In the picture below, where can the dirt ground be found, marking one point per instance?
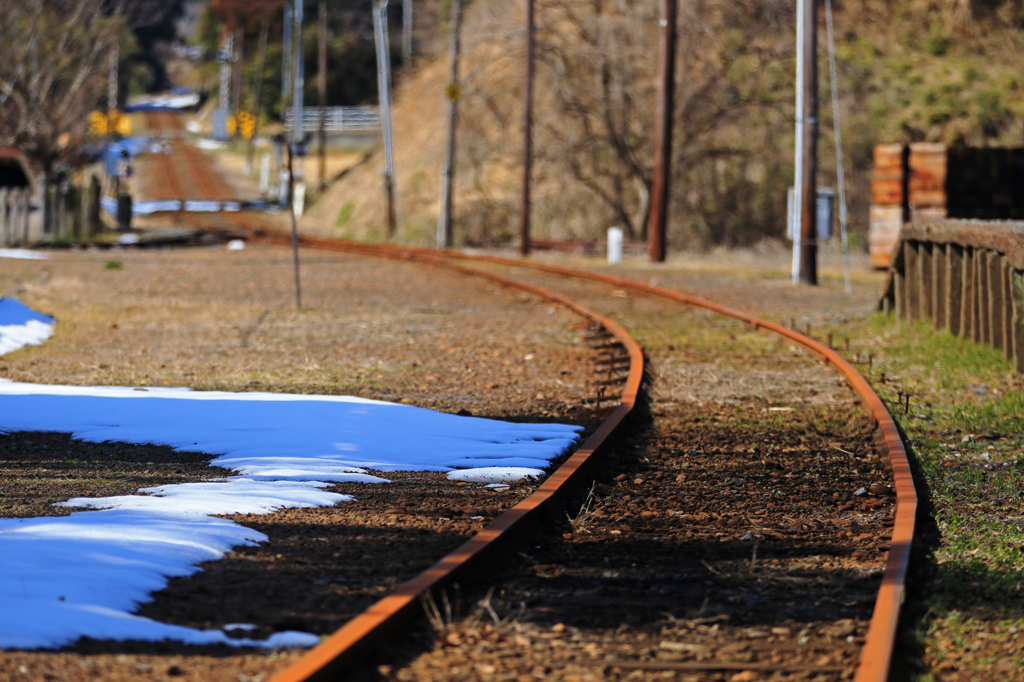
(750, 417)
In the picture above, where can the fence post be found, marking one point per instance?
(5, 235)
(899, 284)
(93, 221)
(939, 285)
(1017, 285)
(911, 254)
(1006, 310)
(954, 287)
(980, 294)
(995, 299)
(924, 273)
(24, 208)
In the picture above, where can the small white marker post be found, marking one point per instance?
(265, 175)
(614, 245)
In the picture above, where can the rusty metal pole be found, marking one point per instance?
(380, 31)
(809, 131)
(661, 181)
(444, 221)
(321, 82)
(524, 212)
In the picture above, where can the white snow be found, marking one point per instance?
(21, 326)
(84, 574)
(494, 474)
(24, 254)
(61, 578)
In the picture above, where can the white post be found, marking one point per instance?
(264, 175)
(614, 245)
(798, 174)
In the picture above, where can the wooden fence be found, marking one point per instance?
(59, 211)
(964, 276)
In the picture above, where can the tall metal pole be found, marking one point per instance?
(838, 135)
(321, 81)
(524, 211)
(298, 80)
(286, 56)
(224, 94)
(407, 30)
(295, 230)
(444, 219)
(112, 79)
(661, 181)
(808, 191)
(380, 33)
(236, 70)
(257, 95)
(798, 152)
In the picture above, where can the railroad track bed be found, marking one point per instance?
(725, 540)
(755, 447)
(739, 535)
(213, 319)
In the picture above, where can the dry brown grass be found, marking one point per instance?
(213, 319)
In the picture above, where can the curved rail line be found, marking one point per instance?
(370, 628)
(876, 654)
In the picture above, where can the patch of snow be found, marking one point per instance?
(65, 577)
(24, 254)
(227, 496)
(494, 475)
(21, 326)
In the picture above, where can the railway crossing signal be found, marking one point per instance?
(246, 124)
(109, 123)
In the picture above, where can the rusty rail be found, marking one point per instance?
(966, 277)
(876, 655)
(360, 635)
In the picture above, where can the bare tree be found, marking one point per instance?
(53, 55)
(595, 114)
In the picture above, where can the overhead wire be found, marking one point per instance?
(839, 146)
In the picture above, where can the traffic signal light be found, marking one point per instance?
(246, 124)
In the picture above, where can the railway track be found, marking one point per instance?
(697, 644)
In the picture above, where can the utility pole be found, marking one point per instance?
(808, 114)
(236, 71)
(380, 34)
(224, 93)
(298, 77)
(407, 31)
(257, 96)
(321, 82)
(298, 129)
(286, 56)
(524, 211)
(295, 231)
(444, 219)
(662, 178)
(112, 79)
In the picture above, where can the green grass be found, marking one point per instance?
(965, 431)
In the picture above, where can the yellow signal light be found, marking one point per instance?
(98, 123)
(246, 124)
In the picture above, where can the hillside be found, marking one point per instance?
(908, 71)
